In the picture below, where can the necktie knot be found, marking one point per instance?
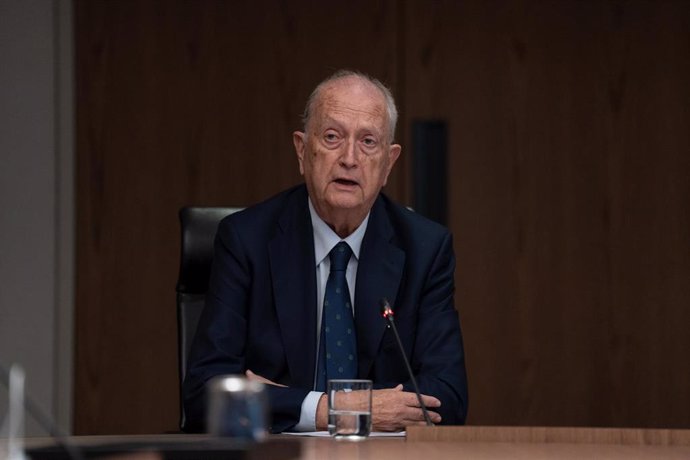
(340, 256)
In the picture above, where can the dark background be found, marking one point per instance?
(568, 184)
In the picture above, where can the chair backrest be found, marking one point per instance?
(198, 226)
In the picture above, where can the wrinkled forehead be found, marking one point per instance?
(352, 99)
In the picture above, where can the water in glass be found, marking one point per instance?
(349, 424)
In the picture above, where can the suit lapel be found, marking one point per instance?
(291, 255)
(379, 273)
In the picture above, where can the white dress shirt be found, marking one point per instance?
(325, 239)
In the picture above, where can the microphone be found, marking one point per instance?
(387, 313)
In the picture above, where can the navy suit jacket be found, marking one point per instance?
(260, 310)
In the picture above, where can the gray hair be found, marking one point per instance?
(341, 74)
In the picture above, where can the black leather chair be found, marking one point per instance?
(198, 230)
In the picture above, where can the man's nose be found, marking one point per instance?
(348, 156)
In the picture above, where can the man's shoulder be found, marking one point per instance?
(263, 217)
(409, 224)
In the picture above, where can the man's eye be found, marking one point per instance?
(369, 141)
(330, 137)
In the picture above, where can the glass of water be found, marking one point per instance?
(237, 408)
(349, 409)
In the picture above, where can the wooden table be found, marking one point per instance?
(461, 443)
(391, 449)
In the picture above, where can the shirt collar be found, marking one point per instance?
(325, 238)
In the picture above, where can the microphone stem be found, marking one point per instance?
(391, 321)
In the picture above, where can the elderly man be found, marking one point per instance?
(296, 281)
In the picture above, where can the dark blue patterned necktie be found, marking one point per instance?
(339, 345)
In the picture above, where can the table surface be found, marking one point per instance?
(402, 449)
(392, 449)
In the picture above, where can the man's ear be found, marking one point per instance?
(393, 154)
(298, 139)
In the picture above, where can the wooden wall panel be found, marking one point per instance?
(178, 103)
(570, 197)
(569, 184)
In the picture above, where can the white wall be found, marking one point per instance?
(36, 200)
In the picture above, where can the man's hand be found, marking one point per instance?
(392, 410)
(257, 378)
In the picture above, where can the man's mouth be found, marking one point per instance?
(347, 182)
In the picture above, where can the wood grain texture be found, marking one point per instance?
(394, 449)
(569, 202)
(282, 446)
(549, 435)
(181, 103)
(569, 184)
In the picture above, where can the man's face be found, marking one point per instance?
(345, 156)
